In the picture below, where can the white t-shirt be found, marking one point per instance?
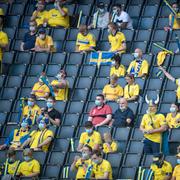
(123, 17)
(102, 20)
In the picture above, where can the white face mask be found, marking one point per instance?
(32, 28)
(115, 11)
(136, 55)
(41, 36)
(113, 63)
(172, 109)
(101, 10)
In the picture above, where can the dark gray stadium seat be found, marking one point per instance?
(115, 159)
(169, 97)
(159, 35)
(139, 44)
(70, 46)
(5, 105)
(121, 133)
(60, 106)
(23, 58)
(71, 119)
(134, 11)
(10, 32)
(84, 82)
(127, 173)
(14, 81)
(9, 93)
(146, 23)
(104, 46)
(61, 145)
(59, 34)
(66, 132)
(143, 35)
(12, 21)
(100, 82)
(8, 57)
(80, 94)
(40, 58)
(53, 70)
(174, 136)
(71, 70)
(86, 9)
(104, 71)
(52, 171)
(58, 58)
(94, 93)
(35, 70)
(17, 9)
(135, 147)
(75, 107)
(56, 157)
(131, 160)
(75, 58)
(88, 70)
(150, 11)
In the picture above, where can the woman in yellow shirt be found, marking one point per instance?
(109, 145)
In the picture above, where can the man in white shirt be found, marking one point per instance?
(121, 18)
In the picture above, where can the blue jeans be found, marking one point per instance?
(151, 147)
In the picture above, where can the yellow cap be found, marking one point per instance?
(1, 12)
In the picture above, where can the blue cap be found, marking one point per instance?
(42, 30)
(42, 119)
(27, 120)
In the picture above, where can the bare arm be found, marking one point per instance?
(159, 130)
(55, 122)
(173, 178)
(26, 143)
(47, 141)
(77, 48)
(133, 98)
(90, 118)
(106, 121)
(32, 175)
(124, 25)
(63, 13)
(79, 148)
(123, 48)
(169, 76)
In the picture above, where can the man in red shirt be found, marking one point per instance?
(101, 114)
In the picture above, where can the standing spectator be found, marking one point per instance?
(176, 172)
(85, 41)
(116, 39)
(58, 16)
(113, 91)
(131, 90)
(30, 167)
(121, 18)
(61, 86)
(138, 67)
(101, 114)
(173, 118)
(161, 168)
(89, 137)
(100, 17)
(152, 126)
(102, 168)
(29, 40)
(117, 68)
(44, 42)
(123, 116)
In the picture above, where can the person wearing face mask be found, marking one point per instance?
(162, 169)
(100, 17)
(31, 110)
(176, 172)
(40, 90)
(101, 114)
(153, 124)
(120, 17)
(113, 91)
(30, 167)
(18, 136)
(123, 116)
(44, 42)
(101, 168)
(85, 41)
(139, 67)
(173, 118)
(58, 16)
(131, 90)
(174, 80)
(116, 39)
(117, 68)
(89, 137)
(82, 163)
(61, 86)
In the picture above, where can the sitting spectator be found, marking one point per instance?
(138, 67)
(117, 68)
(113, 91)
(101, 114)
(116, 39)
(40, 14)
(61, 86)
(30, 167)
(29, 38)
(100, 17)
(123, 116)
(31, 110)
(161, 168)
(131, 90)
(44, 42)
(85, 40)
(90, 137)
(82, 163)
(152, 126)
(18, 136)
(176, 172)
(121, 18)
(177, 81)
(102, 168)
(173, 118)
(58, 16)
(10, 166)
(40, 90)
(40, 139)
(109, 145)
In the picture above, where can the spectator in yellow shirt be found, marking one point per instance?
(162, 169)
(131, 90)
(173, 118)
(89, 137)
(117, 68)
(44, 42)
(109, 146)
(85, 40)
(61, 86)
(102, 168)
(40, 14)
(31, 110)
(113, 91)
(40, 90)
(176, 172)
(139, 67)
(30, 167)
(58, 16)
(82, 163)
(116, 39)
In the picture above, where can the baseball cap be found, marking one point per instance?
(42, 31)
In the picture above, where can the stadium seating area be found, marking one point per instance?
(22, 69)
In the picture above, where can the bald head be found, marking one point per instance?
(123, 103)
(139, 51)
